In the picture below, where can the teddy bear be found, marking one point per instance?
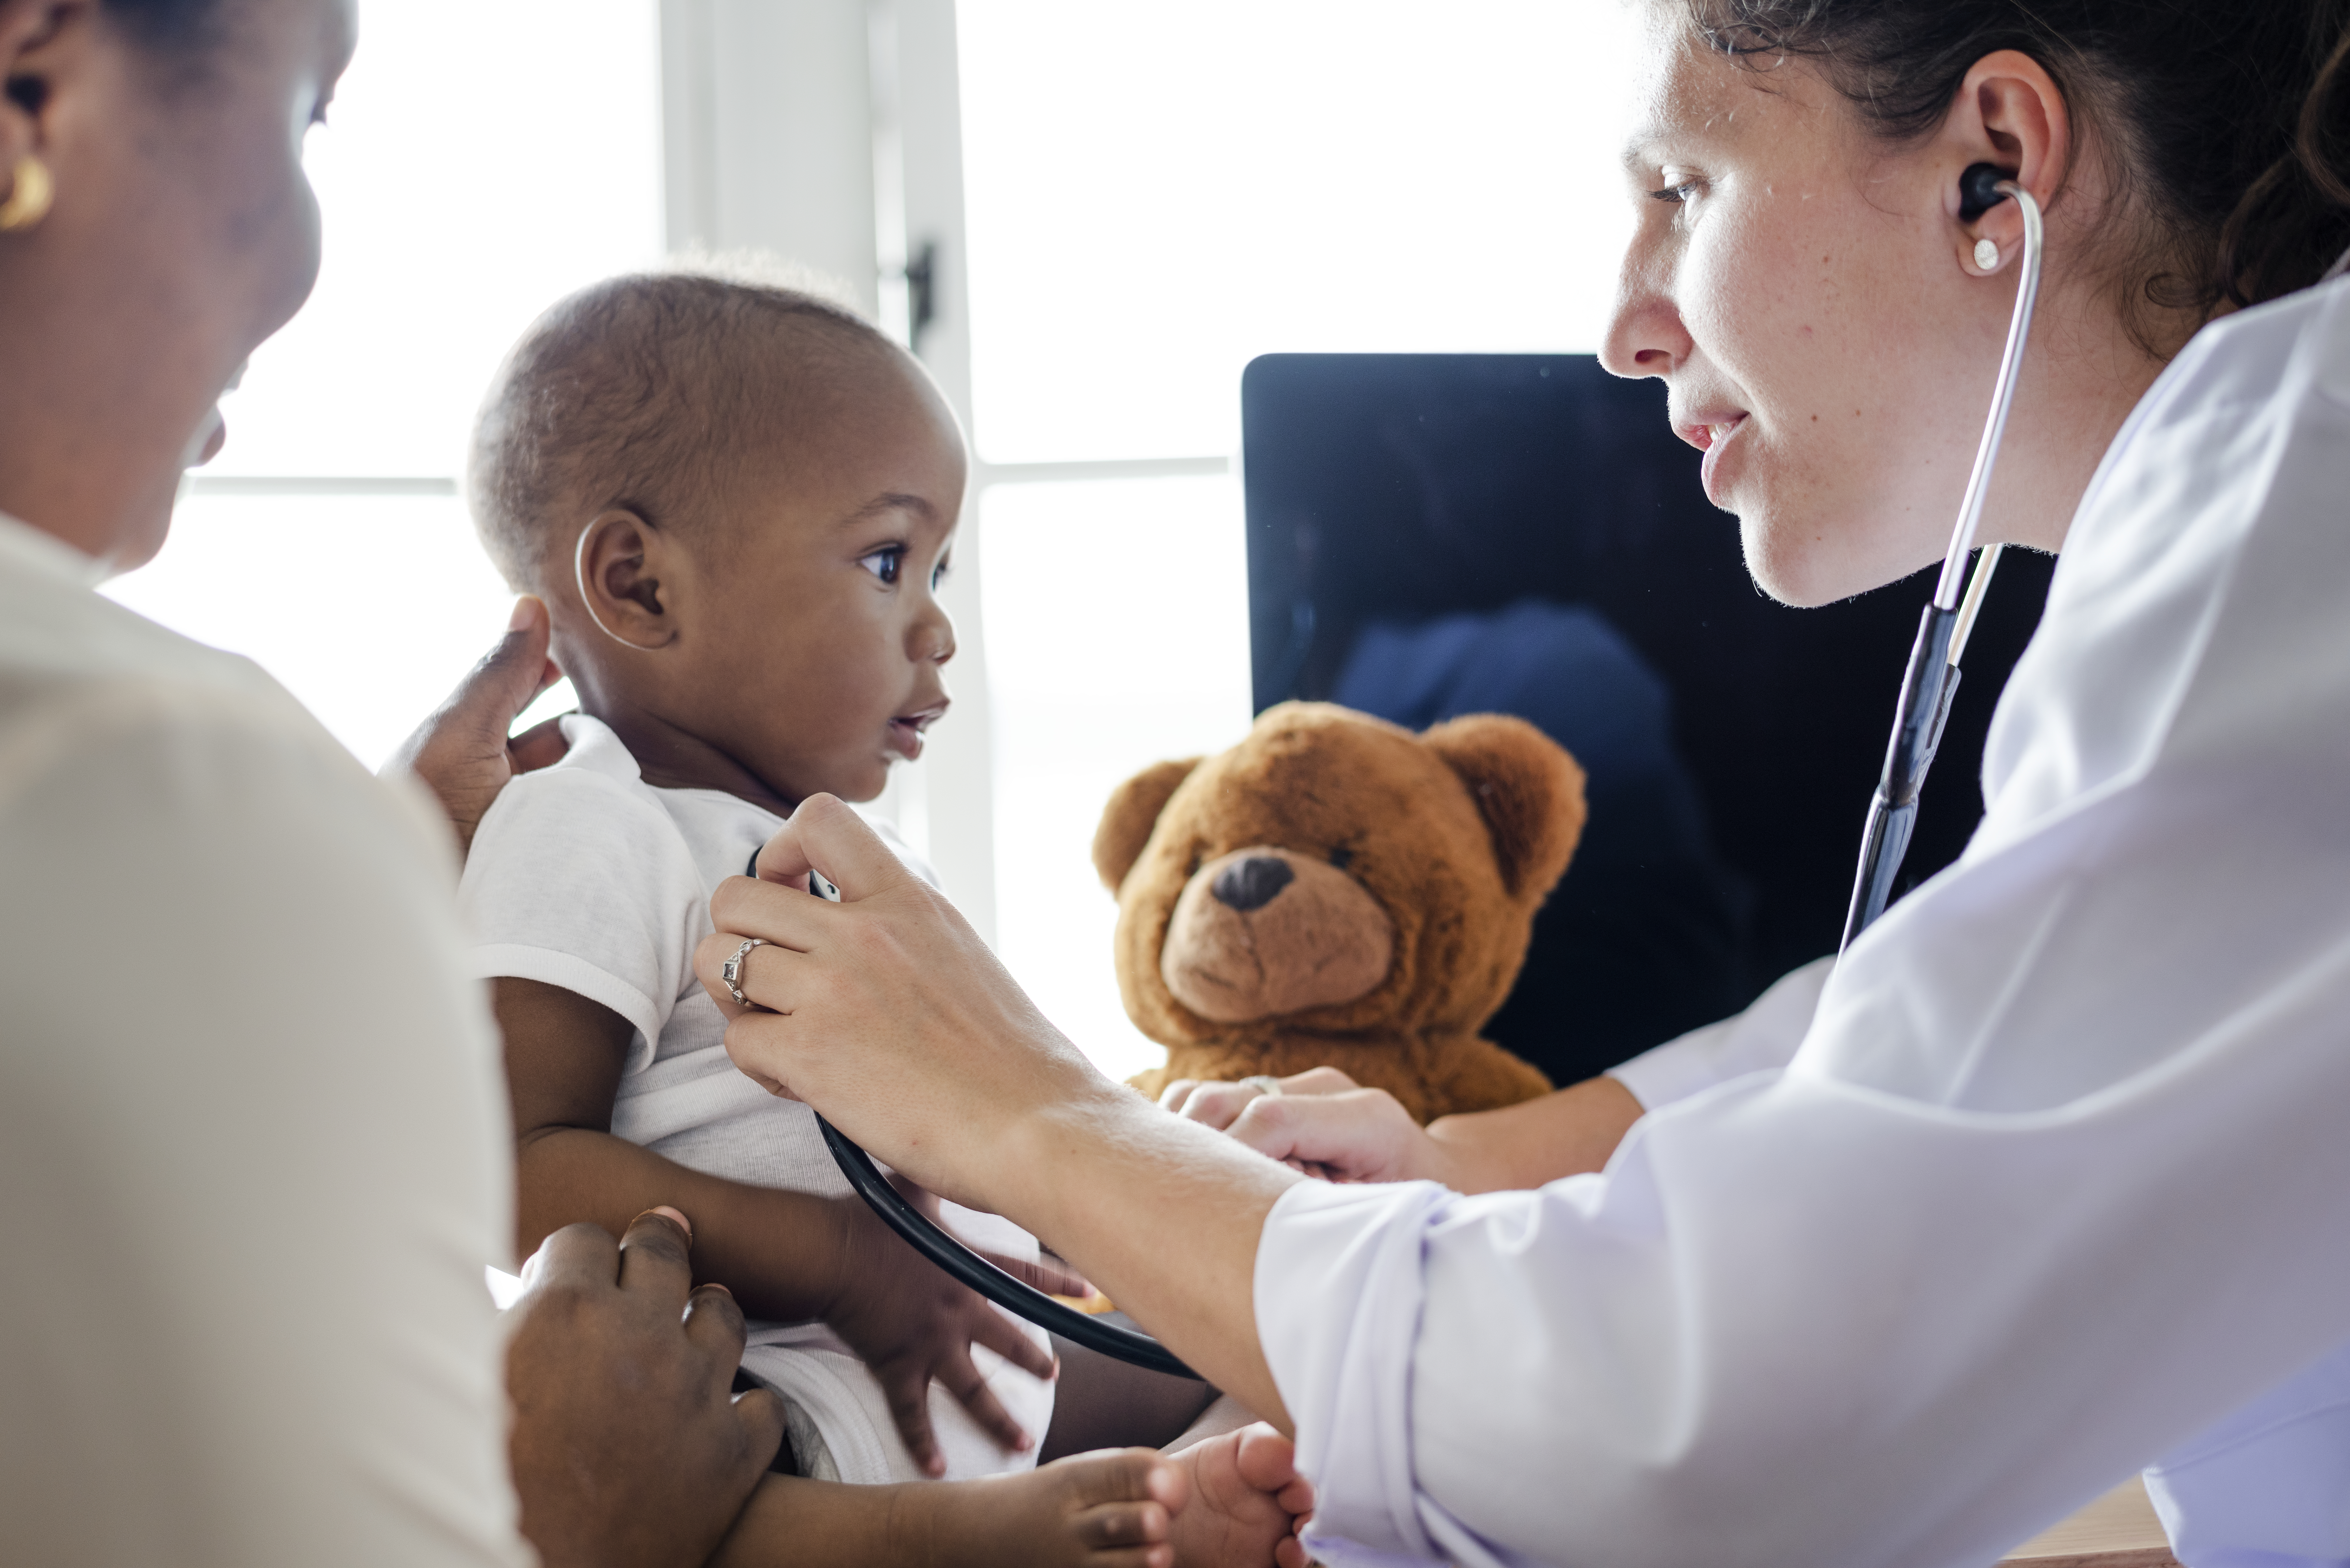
(1336, 889)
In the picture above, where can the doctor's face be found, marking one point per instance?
(1791, 278)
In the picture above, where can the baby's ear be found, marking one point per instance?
(1133, 811)
(1529, 791)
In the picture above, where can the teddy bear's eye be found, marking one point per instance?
(1342, 858)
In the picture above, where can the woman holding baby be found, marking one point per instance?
(2040, 1185)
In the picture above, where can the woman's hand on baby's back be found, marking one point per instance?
(911, 1324)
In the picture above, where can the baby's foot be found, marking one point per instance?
(1246, 1502)
(1113, 1509)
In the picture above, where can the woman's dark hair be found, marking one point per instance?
(2229, 121)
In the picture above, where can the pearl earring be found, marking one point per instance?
(1986, 255)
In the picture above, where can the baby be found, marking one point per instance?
(738, 502)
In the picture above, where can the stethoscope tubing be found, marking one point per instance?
(1930, 681)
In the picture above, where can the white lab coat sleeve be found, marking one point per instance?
(252, 1138)
(2054, 1182)
(1760, 1039)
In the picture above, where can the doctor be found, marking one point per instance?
(2049, 1180)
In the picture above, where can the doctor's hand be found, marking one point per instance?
(462, 751)
(1320, 1122)
(629, 1449)
(886, 1011)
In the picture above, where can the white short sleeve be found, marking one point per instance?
(579, 880)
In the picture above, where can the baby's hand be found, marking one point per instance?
(912, 1322)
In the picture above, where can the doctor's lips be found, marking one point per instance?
(906, 728)
(1709, 432)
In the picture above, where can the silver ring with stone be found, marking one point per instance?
(730, 974)
(1262, 1083)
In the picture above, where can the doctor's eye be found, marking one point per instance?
(1676, 195)
(885, 562)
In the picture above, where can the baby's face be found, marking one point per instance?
(815, 655)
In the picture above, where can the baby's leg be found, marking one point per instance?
(1102, 1403)
(1110, 1510)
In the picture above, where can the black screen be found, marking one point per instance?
(1437, 533)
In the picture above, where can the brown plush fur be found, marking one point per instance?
(1406, 873)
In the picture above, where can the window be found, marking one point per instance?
(1154, 195)
(478, 163)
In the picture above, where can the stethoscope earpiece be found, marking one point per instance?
(1978, 190)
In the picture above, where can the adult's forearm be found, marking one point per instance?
(1539, 1141)
(1163, 1215)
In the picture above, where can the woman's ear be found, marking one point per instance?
(1526, 787)
(37, 37)
(2008, 111)
(1132, 813)
(621, 568)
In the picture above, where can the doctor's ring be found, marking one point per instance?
(730, 974)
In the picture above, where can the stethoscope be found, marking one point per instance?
(1931, 680)
(1926, 688)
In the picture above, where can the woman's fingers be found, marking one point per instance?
(1318, 1081)
(823, 834)
(713, 1321)
(655, 1255)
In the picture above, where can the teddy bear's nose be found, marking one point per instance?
(1251, 884)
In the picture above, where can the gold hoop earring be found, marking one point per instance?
(29, 197)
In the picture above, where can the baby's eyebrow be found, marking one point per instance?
(891, 501)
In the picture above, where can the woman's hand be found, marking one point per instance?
(462, 751)
(910, 1321)
(629, 1448)
(1320, 1122)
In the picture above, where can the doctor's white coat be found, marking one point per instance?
(2049, 1180)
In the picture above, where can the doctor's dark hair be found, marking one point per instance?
(2228, 119)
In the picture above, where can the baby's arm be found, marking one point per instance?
(789, 1257)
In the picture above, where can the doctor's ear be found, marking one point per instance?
(619, 568)
(2009, 112)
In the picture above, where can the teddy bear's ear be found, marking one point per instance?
(1132, 812)
(1527, 788)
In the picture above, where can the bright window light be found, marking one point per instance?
(1157, 193)
(1117, 637)
(479, 163)
(368, 607)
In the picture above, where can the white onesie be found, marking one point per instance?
(584, 876)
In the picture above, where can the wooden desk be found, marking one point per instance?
(2117, 1531)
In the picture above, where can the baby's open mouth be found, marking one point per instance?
(906, 730)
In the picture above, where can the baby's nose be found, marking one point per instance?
(1251, 884)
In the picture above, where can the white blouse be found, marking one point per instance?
(2049, 1178)
(253, 1136)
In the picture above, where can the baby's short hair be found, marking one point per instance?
(640, 393)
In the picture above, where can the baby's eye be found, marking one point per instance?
(884, 563)
(938, 573)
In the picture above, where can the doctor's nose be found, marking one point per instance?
(1644, 336)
